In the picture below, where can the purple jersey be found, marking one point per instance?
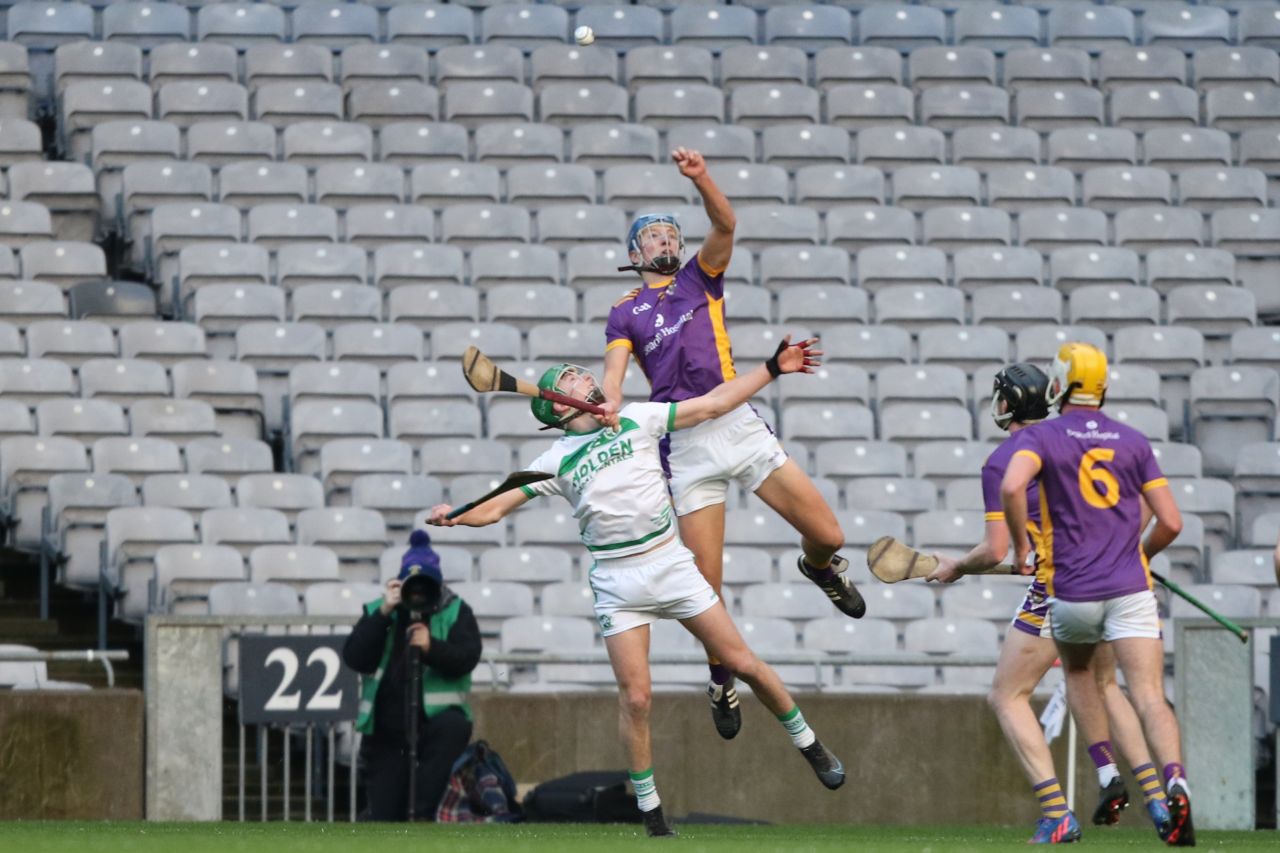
(676, 330)
(1030, 616)
(1093, 471)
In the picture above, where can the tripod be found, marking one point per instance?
(413, 660)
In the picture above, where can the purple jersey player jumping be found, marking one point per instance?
(674, 326)
(1095, 476)
(1018, 400)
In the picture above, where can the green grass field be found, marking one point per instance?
(554, 838)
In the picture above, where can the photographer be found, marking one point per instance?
(417, 619)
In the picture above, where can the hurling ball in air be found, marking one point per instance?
(584, 35)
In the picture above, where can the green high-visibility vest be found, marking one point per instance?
(438, 692)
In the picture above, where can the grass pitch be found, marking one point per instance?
(560, 838)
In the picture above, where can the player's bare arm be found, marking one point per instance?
(1168, 519)
(490, 512)
(988, 553)
(717, 249)
(1013, 497)
(790, 358)
(615, 370)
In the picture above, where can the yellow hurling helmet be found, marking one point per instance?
(1078, 375)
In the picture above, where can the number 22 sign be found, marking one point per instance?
(296, 680)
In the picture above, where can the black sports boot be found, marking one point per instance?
(1181, 832)
(655, 823)
(725, 712)
(824, 763)
(839, 589)
(1112, 800)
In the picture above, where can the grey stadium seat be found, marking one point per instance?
(1046, 67)
(792, 147)
(1080, 148)
(300, 64)
(885, 266)
(751, 64)
(432, 26)
(932, 66)
(123, 380)
(1147, 229)
(1110, 307)
(83, 420)
(1071, 268)
(1144, 108)
(834, 66)
(136, 457)
(382, 103)
(1094, 30)
(557, 63)
(244, 528)
(859, 226)
(192, 492)
(334, 25)
(997, 28)
(921, 187)
(1012, 306)
(855, 106)
(1185, 28)
(1216, 66)
(240, 24)
(663, 107)
(900, 27)
(715, 28)
(824, 187)
(229, 458)
(372, 226)
(953, 106)
(1209, 189)
(1059, 107)
(759, 105)
(472, 104)
(177, 420)
(134, 536)
(411, 143)
(366, 63)
(953, 228)
(44, 26)
(811, 27)
(1041, 343)
(869, 346)
(891, 147)
(424, 305)
(1048, 229)
(209, 62)
(253, 599)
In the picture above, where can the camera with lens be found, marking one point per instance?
(420, 596)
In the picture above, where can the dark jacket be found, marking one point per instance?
(454, 657)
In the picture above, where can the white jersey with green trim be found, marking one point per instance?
(614, 480)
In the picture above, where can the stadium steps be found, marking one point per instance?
(72, 625)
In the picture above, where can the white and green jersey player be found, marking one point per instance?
(613, 478)
(610, 470)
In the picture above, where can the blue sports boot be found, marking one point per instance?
(1061, 830)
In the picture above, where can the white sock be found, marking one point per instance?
(1178, 780)
(646, 790)
(1106, 773)
(793, 722)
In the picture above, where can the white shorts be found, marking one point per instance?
(737, 446)
(1086, 622)
(661, 584)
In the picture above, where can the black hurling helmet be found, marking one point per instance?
(1022, 387)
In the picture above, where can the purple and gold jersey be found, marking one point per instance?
(1093, 471)
(1031, 615)
(676, 331)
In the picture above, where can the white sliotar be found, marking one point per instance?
(584, 35)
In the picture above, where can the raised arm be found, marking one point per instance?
(615, 370)
(790, 358)
(1023, 468)
(490, 512)
(717, 249)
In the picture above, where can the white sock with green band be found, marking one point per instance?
(793, 722)
(646, 790)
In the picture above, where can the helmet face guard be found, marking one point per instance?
(563, 378)
(654, 236)
(1021, 388)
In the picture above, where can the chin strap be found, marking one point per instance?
(670, 268)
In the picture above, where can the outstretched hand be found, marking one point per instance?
(799, 357)
(439, 516)
(690, 162)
